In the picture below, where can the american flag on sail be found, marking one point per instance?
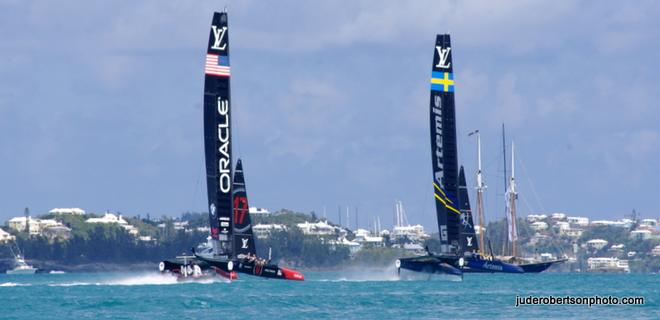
(217, 65)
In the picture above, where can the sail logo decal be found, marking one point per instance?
(224, 178)
(465, 220)
(469, 241)
(212, 209)
(245, 243)
(443, 232)
(443, 57)
(217, 65)
(442, 81)
(219, 35)
(240, 209)
(437, 112)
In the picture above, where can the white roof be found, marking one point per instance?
(67, 210)
(107, 218)
(255, 210)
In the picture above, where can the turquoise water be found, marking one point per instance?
(324, 295)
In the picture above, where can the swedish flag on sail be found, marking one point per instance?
(442, 197)
(442, 81)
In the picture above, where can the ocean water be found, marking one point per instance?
(324, 295)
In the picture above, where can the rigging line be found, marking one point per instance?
(531, 183)
(529, 208)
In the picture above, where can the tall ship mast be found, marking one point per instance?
(511, 197)
(481, 187)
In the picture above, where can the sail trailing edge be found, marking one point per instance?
(243, 237)
(444, 145)
(217, 135)
(468, 237)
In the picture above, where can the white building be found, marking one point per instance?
(57, 232)
(37, 226)
(608, 265)
(562, 225)
(571, 232)
(321, 228)
(74, 211)
(558, 216)
(5, 236)
(624, 223)
(617, 247)
(578, 221)
(117, 219)
(414, 233)
(596, 223)
(353, 246)
(258, 211)
(641, 234)
(180, 225)
(536, 217)
(364, 237)
(263, 231)
(108, 218)
(597, 244)
(539, 226)
(649, 222)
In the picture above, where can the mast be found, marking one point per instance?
(444, 153)
(506, 201)
(512, 195)
(217, 136)
(481, 187)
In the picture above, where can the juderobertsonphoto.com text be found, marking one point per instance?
(570, 300)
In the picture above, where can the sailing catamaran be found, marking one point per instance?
(231, 243)
(458, 248)
(445, 168)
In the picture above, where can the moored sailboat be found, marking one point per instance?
(529, 265)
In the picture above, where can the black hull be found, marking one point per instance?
(539, 267)
(432, 264)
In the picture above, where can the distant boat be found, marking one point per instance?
(21, 267)
(529, 265)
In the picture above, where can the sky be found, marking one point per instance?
(101, 104)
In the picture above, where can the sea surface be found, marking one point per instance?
(324, 295)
